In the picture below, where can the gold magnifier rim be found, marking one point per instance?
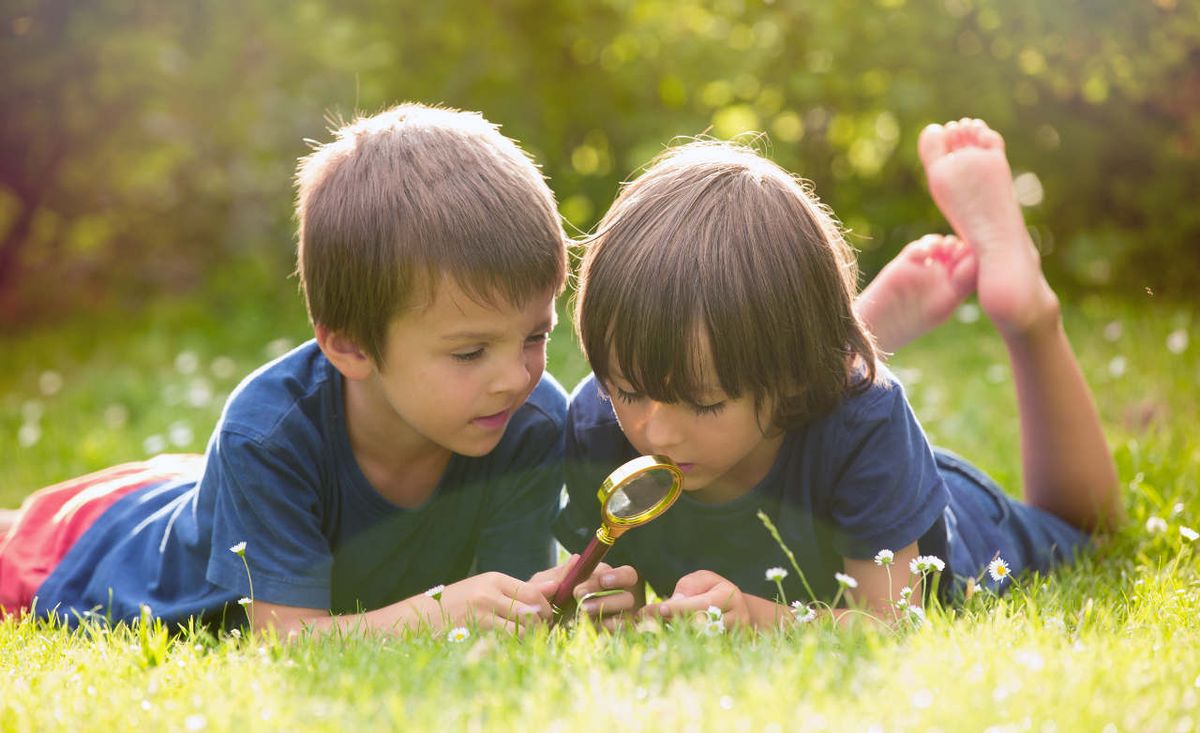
(631, 471)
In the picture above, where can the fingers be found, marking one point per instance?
(605, 577)
(483, 597)
(529, 603)
(698, 582)
(678, 606)
(554, 574)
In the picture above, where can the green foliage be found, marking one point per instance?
(144, 146)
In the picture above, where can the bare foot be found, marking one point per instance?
(971, 182)
(918, 290)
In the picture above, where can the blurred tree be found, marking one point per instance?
(143, 144)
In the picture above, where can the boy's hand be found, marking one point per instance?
(494, 601)
(616, 592)
(697, 592)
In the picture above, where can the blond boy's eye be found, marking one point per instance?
(467, 355)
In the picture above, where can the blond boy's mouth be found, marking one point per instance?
(493, 421)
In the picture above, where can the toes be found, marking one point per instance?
(931, 144)
(991, 139)
(920, 249)
(954, 136)
(970, 132)
(965, 274)
(945, 248)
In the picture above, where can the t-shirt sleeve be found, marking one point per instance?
(266, 498)
(887, 490)
(515, 538)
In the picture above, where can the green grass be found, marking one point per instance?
(1112, 643)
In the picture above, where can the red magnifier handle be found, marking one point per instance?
(564, 597)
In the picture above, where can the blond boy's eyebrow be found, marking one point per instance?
(542, 327)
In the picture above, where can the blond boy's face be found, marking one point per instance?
(455, 372)
(719, 442)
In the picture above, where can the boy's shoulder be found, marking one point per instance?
(293, 384)
(878, 402)
(590, 407)
(548, 400)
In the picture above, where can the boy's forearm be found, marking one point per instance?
(767, 614)
(411, 614)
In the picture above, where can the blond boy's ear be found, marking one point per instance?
(344, 354)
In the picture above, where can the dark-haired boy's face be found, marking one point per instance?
(718, 441)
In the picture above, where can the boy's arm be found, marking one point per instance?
(878, 588)
(264, 497)
(486, 601)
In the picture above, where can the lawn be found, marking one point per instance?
(1111, 644)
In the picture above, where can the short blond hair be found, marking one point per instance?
(716, 247)
(401, 199)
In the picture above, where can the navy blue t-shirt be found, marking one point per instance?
(280, 476)
(860, 479)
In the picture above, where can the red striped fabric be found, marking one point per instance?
(52, 519)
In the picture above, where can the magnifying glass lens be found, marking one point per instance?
(640, 494)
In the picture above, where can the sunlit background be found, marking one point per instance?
(147, 149)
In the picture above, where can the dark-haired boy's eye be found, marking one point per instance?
(538, 338)
(628, 398)
(468, 355)
(710, 409)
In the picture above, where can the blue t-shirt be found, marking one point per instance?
(280, 476)
(860, 479)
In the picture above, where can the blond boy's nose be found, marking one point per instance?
(513, 378)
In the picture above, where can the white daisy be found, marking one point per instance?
(845, 580)
(239, 549)
(922, 564)
(998, 569)
(1189, 534)
(885, 557)
(435, 592)
(1156, 525)
(458, 634)
(804, 614)
(776, 574)
(712, 613)
(243, 601)
(713, 627)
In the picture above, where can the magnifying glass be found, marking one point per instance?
(632, 495)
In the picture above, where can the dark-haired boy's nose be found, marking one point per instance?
(659, 428)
